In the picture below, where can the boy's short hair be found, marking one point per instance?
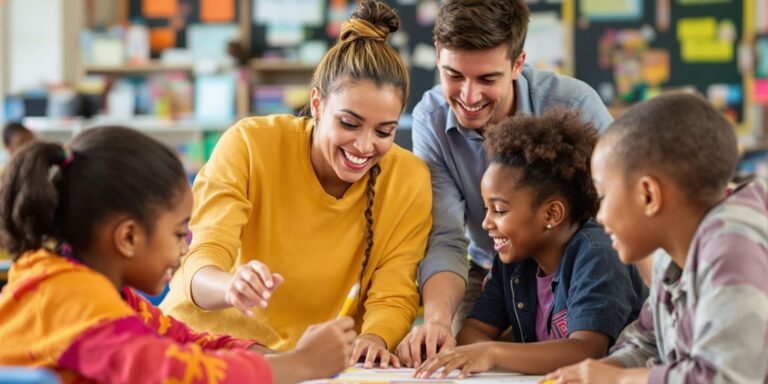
(12, 129)
(469, 25)
(681, 135)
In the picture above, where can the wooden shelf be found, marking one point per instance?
(278, 65)
(148, 124)
(755, 146)
(129, 69)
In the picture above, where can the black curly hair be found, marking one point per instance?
(552, 152)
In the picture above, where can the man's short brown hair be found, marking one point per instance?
(468, 25)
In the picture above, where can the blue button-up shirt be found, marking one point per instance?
(457, 161)
(593, 291)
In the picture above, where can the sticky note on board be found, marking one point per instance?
(159, 8)
(701, 28)
(761, 91)
(712, 51)
(212, 11)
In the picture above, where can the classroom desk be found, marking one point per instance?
(403, 376)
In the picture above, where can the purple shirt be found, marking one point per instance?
(546, 297)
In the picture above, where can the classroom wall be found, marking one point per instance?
(3, 60)
(51, 27)
(38, 24)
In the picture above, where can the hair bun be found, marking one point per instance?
(371, 20)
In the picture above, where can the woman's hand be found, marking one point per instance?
(251, 285)
(373, 348)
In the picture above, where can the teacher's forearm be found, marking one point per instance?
(442, 295)
(209, 285)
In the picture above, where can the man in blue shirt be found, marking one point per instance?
(483, 79)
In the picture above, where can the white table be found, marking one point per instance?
(404, 376)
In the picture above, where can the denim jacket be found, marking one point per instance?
(593, 291)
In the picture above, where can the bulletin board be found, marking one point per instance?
(169, 20)
(414, 42)
(629, 50)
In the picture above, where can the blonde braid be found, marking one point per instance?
(372, 175)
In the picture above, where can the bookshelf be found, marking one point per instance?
(192, 140)
(171, 132)
(280, 72)
(135, 69)
(753, 145)
(280, 65)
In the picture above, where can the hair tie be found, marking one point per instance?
(359, 28)
(68, 157)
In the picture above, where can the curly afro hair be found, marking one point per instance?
(552, 152)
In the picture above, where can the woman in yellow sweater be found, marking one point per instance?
(291, 212)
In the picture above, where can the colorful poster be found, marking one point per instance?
(611, 9)
(212, 11)
(307, 12)
(545, 46)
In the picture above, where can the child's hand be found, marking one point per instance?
(473, 358)
(594, 371)
(324, 347)
(373, 348)
(251, 285)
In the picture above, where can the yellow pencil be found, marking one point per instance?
(349, 300)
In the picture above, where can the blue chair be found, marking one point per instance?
(24, 375)
(155, 300)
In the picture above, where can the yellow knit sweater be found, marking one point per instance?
(258, 198)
